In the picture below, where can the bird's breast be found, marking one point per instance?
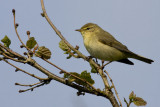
(102, 51)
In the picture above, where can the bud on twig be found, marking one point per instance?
(17, 25)
(28, 32)
(42, 14)
(13, 11)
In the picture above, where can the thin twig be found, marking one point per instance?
(114, 87)
(24, 71)
(71, 53)
(16, 60)
(59, 33)
(70, 74)
(15, 26)
(30, 85)
(12, 52)
(20, 91)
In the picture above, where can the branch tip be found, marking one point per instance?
(16, 70)
(20, 91)
(13, 11)
(16, 83)
(28, 32)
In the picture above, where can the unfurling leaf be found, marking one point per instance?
(139, 101)
(84, 76)
(44, 52)
(31, 43)
(136, 100)
(132, 95)
(6, 41)
(63, 46)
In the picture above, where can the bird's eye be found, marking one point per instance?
(88, 28)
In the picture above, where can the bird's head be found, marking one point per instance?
(89, 28)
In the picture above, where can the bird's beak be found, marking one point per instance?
(79, 30)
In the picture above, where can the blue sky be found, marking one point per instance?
(135, 23)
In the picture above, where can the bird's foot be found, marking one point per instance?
(88, 58)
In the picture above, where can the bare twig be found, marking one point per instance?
(16, 60)
(114, 87)
(20, 91)
(30, 85)
(15, 26)
(71, 53)
(24, 71)
(128, 104)
(12, 52)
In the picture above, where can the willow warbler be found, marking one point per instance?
(102, 45)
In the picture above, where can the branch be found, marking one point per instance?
(107, 91)
(107, 94)
(114, 87)
(18, 69)
(20, 91)
(30, 85)
(71, 47)
(28, 33)
(12, 52)
(63, 71)
(15, 26)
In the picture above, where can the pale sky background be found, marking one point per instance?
(135, 23)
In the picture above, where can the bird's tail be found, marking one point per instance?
(141, 58)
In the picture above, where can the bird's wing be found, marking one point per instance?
(109, 40)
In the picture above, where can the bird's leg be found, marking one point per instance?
(105, 64)
(96, 60)
(102, 62)
(89, 57)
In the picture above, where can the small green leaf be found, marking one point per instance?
(63, 46)
(31, 43)
(84, 75)
(93, 69)
(6, 41)
(139, 101)
(87, 77)
(44, 52)
(69, 56)
(132, 95)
